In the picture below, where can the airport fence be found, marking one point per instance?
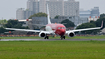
(17, 35)
(35, 35)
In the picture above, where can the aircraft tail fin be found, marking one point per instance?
(48, 15)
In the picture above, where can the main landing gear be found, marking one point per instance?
(47, 37)
(62, 37)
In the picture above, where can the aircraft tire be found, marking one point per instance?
(47, 37)
(63, 37)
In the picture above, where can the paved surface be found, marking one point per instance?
(51, 39)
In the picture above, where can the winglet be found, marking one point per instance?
(102, 25)
(48, 15)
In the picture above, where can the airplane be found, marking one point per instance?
(58, 29)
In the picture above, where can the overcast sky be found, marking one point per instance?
(8, 7)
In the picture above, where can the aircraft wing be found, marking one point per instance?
(27, 30)
(83, 29)
(86, 29)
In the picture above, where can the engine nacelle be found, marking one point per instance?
(71, 34)
(42, 34)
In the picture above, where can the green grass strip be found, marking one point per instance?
(52, 50)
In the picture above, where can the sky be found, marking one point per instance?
(8, 7)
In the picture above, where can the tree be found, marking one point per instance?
(68, 23)
(56, 17)
(87, 25)
(40, 14)
(2, 30)
(92, 21)
(14, 24)
(102, 15)
(2, 22)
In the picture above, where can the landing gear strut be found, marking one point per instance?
(47, 37)
(62, 37)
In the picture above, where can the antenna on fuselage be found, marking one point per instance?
(48, 15)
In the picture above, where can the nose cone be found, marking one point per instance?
(62, 32)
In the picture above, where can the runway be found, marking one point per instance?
(52, 40)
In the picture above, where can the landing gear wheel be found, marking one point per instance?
(62, 37)
(47, 37)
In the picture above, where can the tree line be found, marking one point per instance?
(11, 24)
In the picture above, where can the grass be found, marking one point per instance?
(76, 37)
(52, 50)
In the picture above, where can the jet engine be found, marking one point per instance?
(42, 34)
(71, 34)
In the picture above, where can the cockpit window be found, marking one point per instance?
(61, 28)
